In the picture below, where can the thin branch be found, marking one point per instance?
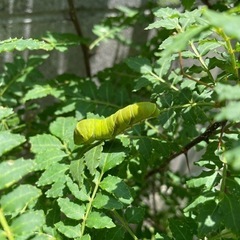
(203, 137)
(188, 76)
(206, 2)
(85, 49)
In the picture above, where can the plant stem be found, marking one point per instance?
(163, 81)
(89, 205)
(5, 226)
(194, 104)
(201, 60)
(99, 39)
(224, 177)
(230, 51)
(85, 49)
(125, 225)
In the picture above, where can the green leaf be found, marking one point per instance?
(85, 237)
(116, 233)
(188, 4)
(61, 41)
(5, 112)
(44, 142)
(227, 92)
(182, 229)
(168, 23)
(70, 209)
(63, 128)
(233, 158)
(110, 160)
(68, 230)
(17, 200)
(92, 158)
(51, 156)
(167, 13)
(208, 218)
(40, 91)
(207, 46)
(138, 64)
(179, 42)
(106, 201)
(9, 141)
(77, 170)
(80, 193)
(52, 174)
(99, 220)
(23, 44)
(206, 180)
(117, 187)
(27, 224)
(3, 235)
(57, 187)
(13, 171)
(134, 214)
(230, 112)
(43, 236)
(228, 23)
(201, 199)
(230, 208)
(74, 188)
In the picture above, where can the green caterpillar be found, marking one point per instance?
(89, 130)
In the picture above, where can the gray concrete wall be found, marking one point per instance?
(33, 18)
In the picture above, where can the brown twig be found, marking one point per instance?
(203, 137)
(188, 76)
(206, 2)
(85, 50)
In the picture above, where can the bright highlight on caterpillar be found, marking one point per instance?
(89, 130)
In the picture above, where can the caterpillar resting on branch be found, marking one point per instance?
(89, 130)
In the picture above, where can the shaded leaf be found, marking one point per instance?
(230, 209)
(138, 64)
(134, 214)
(208, 218)
(182, 229)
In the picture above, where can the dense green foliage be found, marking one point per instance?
(124, 188)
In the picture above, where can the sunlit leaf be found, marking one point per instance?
(99, 220)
